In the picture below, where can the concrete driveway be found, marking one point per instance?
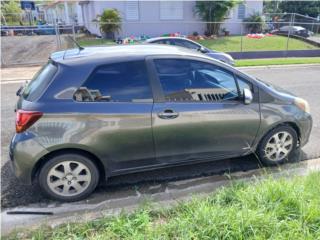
(303, 81)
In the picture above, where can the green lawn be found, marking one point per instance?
(230, 44)
(276, 61)
(279, 208)
(275, 43)
(85, 42)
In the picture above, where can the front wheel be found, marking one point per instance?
(68, 177)
(278, 146)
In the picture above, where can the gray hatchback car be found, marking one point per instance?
(102, 111)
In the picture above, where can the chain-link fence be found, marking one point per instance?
(33, 44)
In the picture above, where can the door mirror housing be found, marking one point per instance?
(202, 50)
(247, 96)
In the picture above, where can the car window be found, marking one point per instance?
(119, 82)
(163, 41)
(39, 82)
(186, 44)
(189, 80)
(244, 84)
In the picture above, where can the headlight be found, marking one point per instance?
(302, 104)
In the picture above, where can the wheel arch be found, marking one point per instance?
(287, 123)
(48, 156)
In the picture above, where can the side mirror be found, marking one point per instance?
(203, 50)
(247, 96)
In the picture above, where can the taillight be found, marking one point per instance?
(25, 119)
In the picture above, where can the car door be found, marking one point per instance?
(200, 113)
(118, 101)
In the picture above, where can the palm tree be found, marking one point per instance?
(110, 23)
(254, 23)
(213, 12)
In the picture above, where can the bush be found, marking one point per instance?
(11, 11)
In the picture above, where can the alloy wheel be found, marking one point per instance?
(69, 178)
(279, 146)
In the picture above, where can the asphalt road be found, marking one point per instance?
(303, 81)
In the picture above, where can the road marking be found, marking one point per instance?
(289, 66)
(14, 81)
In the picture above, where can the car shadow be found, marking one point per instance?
(13, 193)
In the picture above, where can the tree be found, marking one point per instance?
(110, 22)
(214, 12)
(11, 10)
(270, 6)
(254, 23)
(310, 8)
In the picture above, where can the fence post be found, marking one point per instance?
(241, 33)
(57, 35)
(73, 32)
(291, 25)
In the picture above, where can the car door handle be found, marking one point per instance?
(168, 114)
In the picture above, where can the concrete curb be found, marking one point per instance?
(281, 66)
(173, 193)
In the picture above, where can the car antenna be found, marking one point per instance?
(75, 42)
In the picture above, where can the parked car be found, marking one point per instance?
(293, 30)
(45, 29)
(187, 43)
(103, 111)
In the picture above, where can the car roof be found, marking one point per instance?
(168, 38)
(292, 27)
(97, 54)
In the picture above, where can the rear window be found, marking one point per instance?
(40, 81)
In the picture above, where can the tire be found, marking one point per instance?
(68, 177)
(276, 147)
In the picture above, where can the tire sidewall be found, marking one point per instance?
(292, 154)
(42, 178)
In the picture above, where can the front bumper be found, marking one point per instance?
(305, 125)
(24, 154)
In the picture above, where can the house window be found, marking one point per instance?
(171, 10)
(241, 11)
(132, 10)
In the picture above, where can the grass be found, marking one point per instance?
(86, 42)
(274, 43)
(230, 44)
(262, 209)
(276, 61)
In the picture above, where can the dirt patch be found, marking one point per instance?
(27, 50)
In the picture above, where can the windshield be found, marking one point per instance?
(39, 82)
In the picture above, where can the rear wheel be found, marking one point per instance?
(68, 177)
(278, 146)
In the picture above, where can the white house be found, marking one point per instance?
(59, 11)
(152, 18)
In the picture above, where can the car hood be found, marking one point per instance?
(221, 56)
(277, 91)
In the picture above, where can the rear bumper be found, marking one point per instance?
(24, 154)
